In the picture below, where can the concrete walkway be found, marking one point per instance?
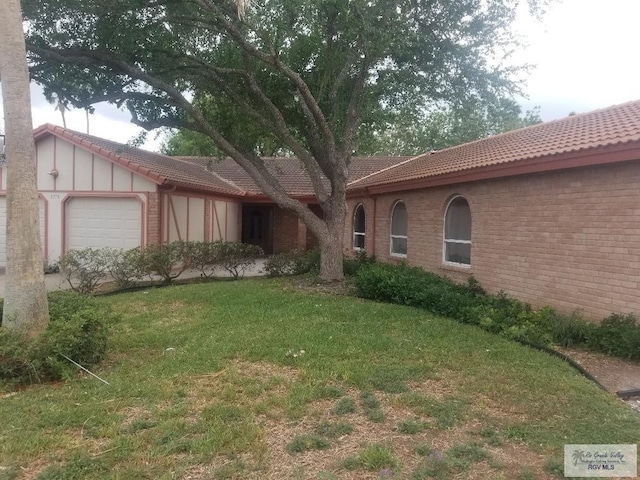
(54, 281)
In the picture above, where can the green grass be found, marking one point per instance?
(198, 372)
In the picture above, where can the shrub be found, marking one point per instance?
(295, 262)
(77, 328)
(236, 258)
(85, 269)
(125, 267)
(618, 335)
(167, 260)
(351, 265)
(205, 256)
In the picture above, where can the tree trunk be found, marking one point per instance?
(25, 299)
(332, 241)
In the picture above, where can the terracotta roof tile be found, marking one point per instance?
(289, 171)
(614, 125)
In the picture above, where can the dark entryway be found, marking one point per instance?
(257, 226)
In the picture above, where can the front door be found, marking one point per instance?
(257, 221)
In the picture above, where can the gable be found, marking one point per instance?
(79, 169)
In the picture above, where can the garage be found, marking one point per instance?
(103, 222)
(3, 229)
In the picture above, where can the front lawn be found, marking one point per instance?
(255, 379)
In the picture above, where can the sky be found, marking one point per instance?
(584, 55)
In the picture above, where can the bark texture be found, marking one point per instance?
(25, 296)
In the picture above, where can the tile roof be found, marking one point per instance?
(290, 171)
(159, 168)
(612, 126)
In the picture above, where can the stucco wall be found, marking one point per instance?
(192, 217)
(64, 171)
(569, 239)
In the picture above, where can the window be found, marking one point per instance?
(457, 232)
(399, 229)
(358, 228)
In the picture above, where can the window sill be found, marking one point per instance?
(456, 267)
(398, 255)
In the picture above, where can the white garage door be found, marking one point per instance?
(3, 229)
(102, 222)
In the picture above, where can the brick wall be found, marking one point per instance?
(286, 231)
(370, 219)
(311, 241)
(153, 218)
(568, 239)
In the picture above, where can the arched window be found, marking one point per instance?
(457, 232)
(359, 228)
(399, 229)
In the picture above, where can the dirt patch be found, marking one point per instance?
(612, 373)
(507, 460)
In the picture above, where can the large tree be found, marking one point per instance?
(306, 74)
(439, 127)
(25, 296)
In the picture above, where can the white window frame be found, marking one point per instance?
(392, 236)
(454, 240)
(357, 234)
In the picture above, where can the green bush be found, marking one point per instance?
(236, 258)
(618, 335)
(295, 262)
(167, 260)
(204, 256)
(78, 328)
(85, 270)
(351, 265)
(124, 267)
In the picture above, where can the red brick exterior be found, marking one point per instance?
(287, 231)
(570, 239)
(153, 218)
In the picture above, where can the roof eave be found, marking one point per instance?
(583, 158)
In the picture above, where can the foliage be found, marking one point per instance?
(352, 264)
(377, 457)
(344, 406)
(166, 260)
(78, 328)
(86, 269)
(446, 126)
(295, 262)
(302, 443)
(617, 334)
(188, 143)
(236, 258)
(300, 77)
(125, 267)
(204, 256)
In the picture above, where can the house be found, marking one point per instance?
(98, 193)
(549, 214)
